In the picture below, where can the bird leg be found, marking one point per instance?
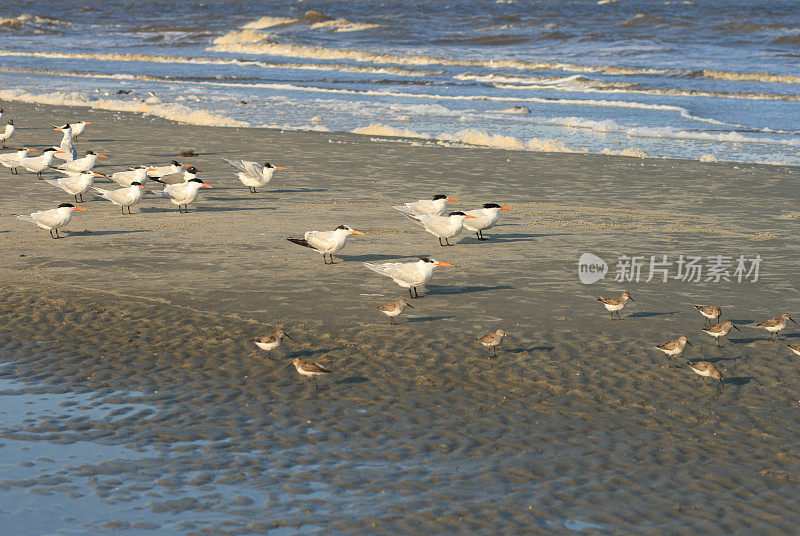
(494, 349)
(440, 241)
(316, 386)
(778, 334)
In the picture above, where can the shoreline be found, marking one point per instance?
(376, 132)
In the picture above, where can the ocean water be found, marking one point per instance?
(705, 80)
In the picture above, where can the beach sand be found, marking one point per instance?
(137, 330)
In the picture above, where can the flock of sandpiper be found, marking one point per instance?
(712, 313)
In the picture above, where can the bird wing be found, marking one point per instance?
(252, 169)
(238, 164)
(387, 268)
(49, 218)
(321, 240)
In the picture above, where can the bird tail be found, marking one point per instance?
(160, 193)
(300, 242)
(156, 179)
(229, 162)
(408, 213)
(101, 191)
(375, 268)
(24, 217)
(54, 182)
(404, 210)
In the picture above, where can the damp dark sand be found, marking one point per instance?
(131, 403)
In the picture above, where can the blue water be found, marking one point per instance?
(699, 80)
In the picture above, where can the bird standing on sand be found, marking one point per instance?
(310, 369)
(394, 308)
(78, 128)
(123, 197)
(493, 340)
(673, 348)
(12, 160)
(159, 171)
(52, 219)
(252, 174)
(75, 184)
(484, 218)
(326, 242)
(408, 275)
(8, 132)
(776, 325)
(129, 176)
(442, 227)
(720, 330)
(182, 194)
(711, 312)
(181, 177)
(37, 164)
(708, 370)
(616, 303)
(435, 206)
(68, 151)
(85, 163)
(271, 341)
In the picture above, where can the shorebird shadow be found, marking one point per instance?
(648, 315)
(231, 209)
(739, 380)
(106, 233)
(428, 318)
(740, 322)
(296, 190)
(353, 379)
(312, 353)
(749, 340)
(440, 289)
(532, 349)
(510, 237)
(367, 257)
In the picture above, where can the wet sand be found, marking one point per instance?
(144, 412)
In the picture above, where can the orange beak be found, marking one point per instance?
(57, 128)
(100, 155)
(60, 152)
(505, 208)
(468, 216)
(78, 208)
(206, 186)
(186, 165)
(152, 169)
(141, 187)
(356, 232)
(96, 174)
(88, 123)
(442, 264)
(277, 167)
(451, 199)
